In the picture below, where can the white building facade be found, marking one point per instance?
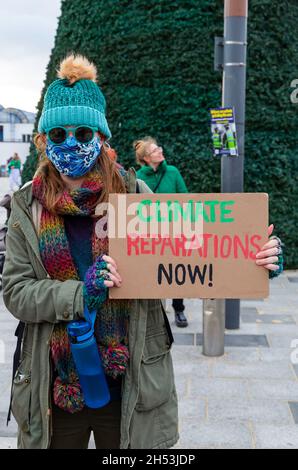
(16, 128)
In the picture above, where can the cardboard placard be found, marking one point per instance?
(212, 256)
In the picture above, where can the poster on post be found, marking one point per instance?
(223, 131)
(188, 245)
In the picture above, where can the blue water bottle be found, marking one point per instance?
(88, 362)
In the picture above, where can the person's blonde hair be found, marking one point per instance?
(16, 156)
(141, 148)
(113, 181)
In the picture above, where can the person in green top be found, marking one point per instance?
(14, 172)
(161, 178)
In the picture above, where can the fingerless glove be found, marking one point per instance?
(94, 290)
(280, 261)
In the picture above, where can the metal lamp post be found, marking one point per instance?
(230, 57)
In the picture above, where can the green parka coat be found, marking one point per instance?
(149, 418)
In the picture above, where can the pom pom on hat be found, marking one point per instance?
(74, 98)
(77, 67)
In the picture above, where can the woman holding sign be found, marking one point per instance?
(161, 178)
(56, 280)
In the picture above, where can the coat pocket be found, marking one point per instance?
(21, 400)
(156, 380)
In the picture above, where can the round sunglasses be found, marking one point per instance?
(83, 134)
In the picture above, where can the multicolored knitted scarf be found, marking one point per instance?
(111, 327)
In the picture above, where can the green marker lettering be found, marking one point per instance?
(139, 210)
(224, 211)
(212, 205)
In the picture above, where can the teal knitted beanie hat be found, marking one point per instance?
(75, 98)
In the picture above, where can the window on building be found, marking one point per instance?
(1, 133)
(24, 138)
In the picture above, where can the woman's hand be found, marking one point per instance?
(269, 253)
(115, 278)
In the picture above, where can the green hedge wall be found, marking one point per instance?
(155, 62)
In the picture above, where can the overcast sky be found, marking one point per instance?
(27, 32)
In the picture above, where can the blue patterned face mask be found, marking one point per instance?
(73, 158)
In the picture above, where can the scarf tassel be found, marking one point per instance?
(115, 359)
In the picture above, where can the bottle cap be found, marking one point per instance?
(78, 328)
